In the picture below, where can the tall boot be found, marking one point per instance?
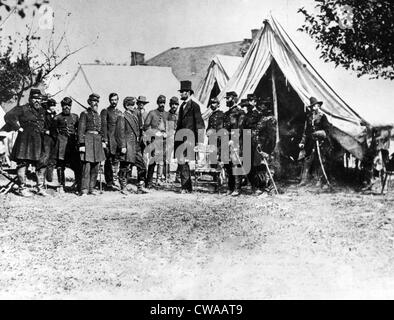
(304, 176)
(237, 186)
(40, 174)
(122, 177)
(22, 190)
(61, 179)
(149, 176)
(159, 173)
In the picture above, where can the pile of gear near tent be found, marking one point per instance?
(275, 68)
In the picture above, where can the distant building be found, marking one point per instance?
(192, 63)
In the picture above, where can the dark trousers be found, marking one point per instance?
(111, 168)
(89, 175)
(186, 179)
(233, 181)
(126, 167)
(258, 177)
(75, 166)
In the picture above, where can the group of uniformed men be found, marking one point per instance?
(46, 140)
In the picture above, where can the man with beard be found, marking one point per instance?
(155, 127)
(66, 148)
(189, 118)
(316, 135)
(171, 128)
(48, 158)
(108, 122)
(263, 140)
(128, 135)
(232, 120)
(91, 145)
(29, 121)
(215, 124)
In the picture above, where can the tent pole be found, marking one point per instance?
(276, 115)
(275, 102)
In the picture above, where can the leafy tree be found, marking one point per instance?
(356, 34)
(19, 6)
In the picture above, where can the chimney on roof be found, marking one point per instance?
(137, 58)
(254, 33)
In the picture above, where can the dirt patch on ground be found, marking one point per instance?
(164, 245)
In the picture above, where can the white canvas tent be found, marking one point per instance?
(219, 72)
(273, 57)
(134, 81)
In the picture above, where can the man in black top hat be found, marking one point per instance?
(189, 118)
(91, 145)
(316, 135)
(108, 122)
(29, 121)
(66, 148)
(233, 119)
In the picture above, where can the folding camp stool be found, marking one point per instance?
(12, 180)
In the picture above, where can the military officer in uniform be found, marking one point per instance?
(316, 135)
(171, 128)
(29, 121)
(215, 124)
(66, 147)
(263, 145)
(91, 145)
(155, 127)
(108, 122)
(232, 120)
(128, 137)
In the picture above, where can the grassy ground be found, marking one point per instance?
(301, 244)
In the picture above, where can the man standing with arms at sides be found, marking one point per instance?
(171, 128)
(91, 145)
(156, 122)
(29, 121)
(127, 135)
(108, 122)
(66, 148)
(189, 118)
(233, 119)
(215, 124)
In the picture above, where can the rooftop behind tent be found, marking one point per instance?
(219, 72)
(273, 55)
(125, 80)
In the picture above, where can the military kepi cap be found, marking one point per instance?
(214, 100)
(128, 101)
(94, 97)
(66, 101)
(35, 93)
(174, 100)
(161, 99)
(251, 96)
(244, 102)
(231, 94)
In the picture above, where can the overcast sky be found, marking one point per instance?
(113, 28)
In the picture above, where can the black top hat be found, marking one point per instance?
(36, 93)
(94, 97)
(186, 86)
(313, 101)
